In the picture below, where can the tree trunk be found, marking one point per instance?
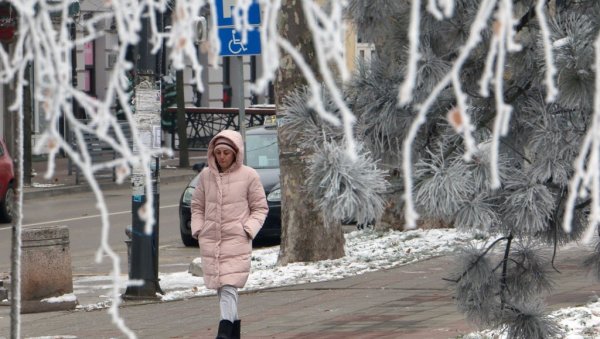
(184, 160)
(305, 237)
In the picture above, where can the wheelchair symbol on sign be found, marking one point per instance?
(235, 45)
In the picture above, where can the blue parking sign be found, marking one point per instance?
(231, 42)
(225, 12)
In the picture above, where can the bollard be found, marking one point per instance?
(46, 275)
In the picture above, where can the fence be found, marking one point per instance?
(202, 123)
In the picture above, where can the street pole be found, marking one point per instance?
(144, 246)
(241, 101)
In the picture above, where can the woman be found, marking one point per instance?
(228, 209)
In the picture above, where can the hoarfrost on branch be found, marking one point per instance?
(43, 41)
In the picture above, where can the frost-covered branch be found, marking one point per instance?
(551, 90)
(408, 85)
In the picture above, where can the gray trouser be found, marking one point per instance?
(228, 300)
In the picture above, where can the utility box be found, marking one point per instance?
(46, 274)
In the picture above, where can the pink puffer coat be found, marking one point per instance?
(228, 210)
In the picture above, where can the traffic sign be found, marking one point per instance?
(231, 42)
(225, 13)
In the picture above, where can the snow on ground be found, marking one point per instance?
(576, 323)
(366, 251)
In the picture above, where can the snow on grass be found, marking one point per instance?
(576, 323)
(366, 251)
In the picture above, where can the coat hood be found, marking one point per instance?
(235, 138)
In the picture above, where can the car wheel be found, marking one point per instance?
(7, 206)
(188, 240)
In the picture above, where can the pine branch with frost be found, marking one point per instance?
(431, 68)
(371, 93)
(443, 185)
(572, 33)
(529, 321)
(345, 188)
(527, 207)
(481, 169)
(527, 274)
(301, 122)
(555, 134)
(367, 15)
(477, 286)
(480, 213)
(548, 169)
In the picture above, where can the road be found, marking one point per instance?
(78, 212)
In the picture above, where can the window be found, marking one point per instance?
(262, 150)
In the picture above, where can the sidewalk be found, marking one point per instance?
(62, 182)
(409, 301)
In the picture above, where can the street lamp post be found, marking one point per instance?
(144, 246)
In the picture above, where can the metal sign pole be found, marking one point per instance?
(240, 91)
(233, 44)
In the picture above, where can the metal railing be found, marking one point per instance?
(203, 123)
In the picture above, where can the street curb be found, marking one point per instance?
(35, 193)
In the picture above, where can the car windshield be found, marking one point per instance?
(262, 150)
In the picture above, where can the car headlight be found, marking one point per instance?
(187, 195)
(274, 195)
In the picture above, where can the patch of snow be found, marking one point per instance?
(38, 185)
(63, 298)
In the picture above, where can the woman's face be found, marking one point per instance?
(225, 158)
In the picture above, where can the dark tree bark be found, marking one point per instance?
(305, 237)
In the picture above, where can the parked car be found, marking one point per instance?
(262, 154)
(7, 184)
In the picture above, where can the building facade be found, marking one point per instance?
(94, 61)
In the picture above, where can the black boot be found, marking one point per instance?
(225, 329)
(237, 328)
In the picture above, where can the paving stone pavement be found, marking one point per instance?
(410, 301)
